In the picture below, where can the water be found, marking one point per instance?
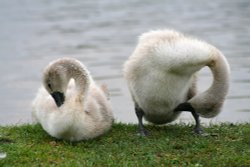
(102, 34)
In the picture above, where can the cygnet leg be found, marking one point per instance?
(188, 107)
(139, 113)
(197, 128)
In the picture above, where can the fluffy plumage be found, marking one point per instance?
(70, 105)
(161, 75)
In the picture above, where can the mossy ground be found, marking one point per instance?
(170, 145)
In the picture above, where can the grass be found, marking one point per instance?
(171, 145)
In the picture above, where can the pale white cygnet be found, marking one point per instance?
(161, 76)
(70, 105)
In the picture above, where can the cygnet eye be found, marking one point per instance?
(49, 85)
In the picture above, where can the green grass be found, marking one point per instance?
(171, 145)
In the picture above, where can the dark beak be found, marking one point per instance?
(58, 97)
(184, 107)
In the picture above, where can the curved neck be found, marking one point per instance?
(208, 103)
(221, 72)
(75, 70)
(58, 74)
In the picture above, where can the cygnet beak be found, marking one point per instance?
(186, 106)
(58, 97)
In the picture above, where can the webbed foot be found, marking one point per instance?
(143, 132)
(199, 131)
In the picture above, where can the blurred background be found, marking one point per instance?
(102, 34)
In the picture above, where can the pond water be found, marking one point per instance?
(102, 34)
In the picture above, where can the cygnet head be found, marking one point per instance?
(55, 81)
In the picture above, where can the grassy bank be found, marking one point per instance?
(171, 145)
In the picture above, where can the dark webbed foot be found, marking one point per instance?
(198, 130)
(141, 129)
(188, 107)
(143, 132)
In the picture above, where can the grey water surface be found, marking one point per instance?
(102, 34)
